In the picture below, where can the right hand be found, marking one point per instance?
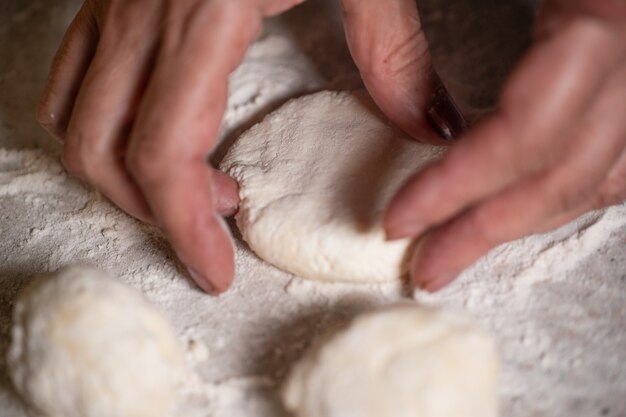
(136, 93)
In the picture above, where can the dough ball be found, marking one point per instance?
(315, 177)
(402, 361)
(85, 345)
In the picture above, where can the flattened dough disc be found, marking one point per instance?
(315, 176)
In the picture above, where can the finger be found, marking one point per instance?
(67, 71)
(107, 102)
(226, 193)
(177, 125)
(396, 67)
(555, 14)
(613, 11)
(274, 7)
(547, 200)
(613, 191)
(541, 103)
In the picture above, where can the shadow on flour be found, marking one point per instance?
(312, 324)
(12, 281)
(326, 49)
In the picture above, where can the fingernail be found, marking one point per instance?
(422, 261)
(227, 208)
(404, 230)
(226, 194)
(444, 115)
(202, 282)
(438, 283)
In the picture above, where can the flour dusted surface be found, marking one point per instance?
(556, 302)
(315, 177)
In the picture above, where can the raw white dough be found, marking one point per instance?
(315, 177)
(402, 361)
(85, 345)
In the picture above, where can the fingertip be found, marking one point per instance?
(141, 214)
(432, 116)
(227, 197)
(49, 119)
(219, 267)
(422, 274)
(439, 283)
(208, 253)
(399, 219)
(444, 115)
(400, 229)
(201, 281)
(420, 129)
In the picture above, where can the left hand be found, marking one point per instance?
(554, 149)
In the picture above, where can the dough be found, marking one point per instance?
(402, 361)
(315, 177)
(85, 345)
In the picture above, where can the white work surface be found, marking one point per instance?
(556, 303)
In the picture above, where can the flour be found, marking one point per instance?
(556, 302)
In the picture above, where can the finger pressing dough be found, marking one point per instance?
(402, 361)
(85, 345)
(315, 177)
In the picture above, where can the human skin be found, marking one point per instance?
(138, 88)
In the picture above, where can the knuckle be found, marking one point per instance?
(123, 19)
(611, 193)
(565, 200)
(565, 192)
(146, 163)
(523, 150)
(83, 158)
(527, 133)
(189, 22)
(482, 230)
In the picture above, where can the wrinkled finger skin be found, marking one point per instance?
(391, 51)
(136, 93)
(552, 151)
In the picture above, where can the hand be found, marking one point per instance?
(136, 92)
(554, 149)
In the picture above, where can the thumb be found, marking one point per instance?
(389, 47)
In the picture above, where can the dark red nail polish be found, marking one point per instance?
(444, 115)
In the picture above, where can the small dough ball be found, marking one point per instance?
(315, 177)
(402, 361)
(85, 345)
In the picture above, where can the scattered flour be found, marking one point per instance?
(556, 302)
